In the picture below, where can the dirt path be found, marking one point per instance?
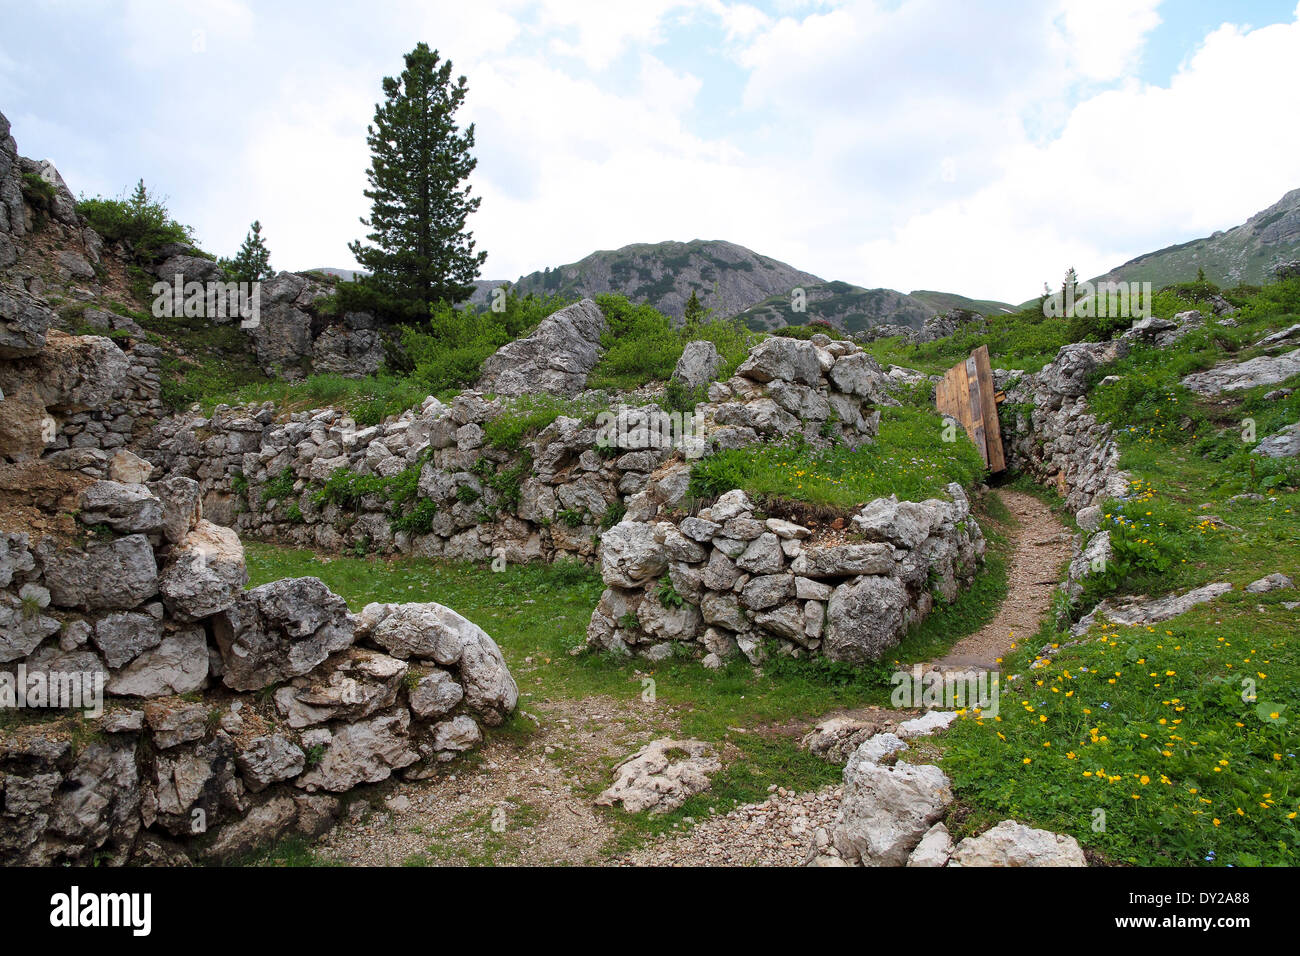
(1042, 546)
(521, 800)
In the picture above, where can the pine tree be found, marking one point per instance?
(693, 316)
(253, 261)
(419, 252)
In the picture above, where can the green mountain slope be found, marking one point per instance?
(1246, 253)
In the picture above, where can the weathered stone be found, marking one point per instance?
(269, 759)
(123, 636)
(365, 752)
(556, 357)
(433, 632)
(117, 575)
(1014, 844)
(204, 573)
(864, 619)
(844, 560)
(661, 776)
(280, 630)
(178, 665)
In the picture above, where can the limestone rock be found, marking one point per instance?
(556, 357)
(1014, 844)
(280, 630)
(661, 776)
(204, 573)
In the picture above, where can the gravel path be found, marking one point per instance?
(1043, 546)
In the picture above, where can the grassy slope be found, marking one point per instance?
(1156, 727)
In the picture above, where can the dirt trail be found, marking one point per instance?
(1042, 546)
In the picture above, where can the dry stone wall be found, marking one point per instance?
(319, 480)
(1054, 437)
(216, 718)
(729, 580)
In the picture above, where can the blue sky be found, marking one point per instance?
(976, 148)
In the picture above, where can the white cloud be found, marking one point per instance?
(907, 143)
(1134, 169)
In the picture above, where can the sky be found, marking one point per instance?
(907, 144)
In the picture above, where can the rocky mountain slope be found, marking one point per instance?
(848, 307)
(727, 277)
(1247, 253)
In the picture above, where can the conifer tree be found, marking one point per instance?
(418, 251)
(253, 261)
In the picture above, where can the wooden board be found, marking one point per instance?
(967, 394)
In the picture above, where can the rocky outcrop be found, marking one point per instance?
(725, 582)
(1239, 376)
(1142, 611)
(555, 358)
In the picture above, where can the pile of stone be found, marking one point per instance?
(892, 814)
(727, 581)
(216, 718)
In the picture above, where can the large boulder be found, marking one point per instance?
(280, 630)
(786, 359)
(698, 365)
(864, 619)
(204, 573)
(117, 575)
(556, 357)
(886, 810)
(1014, 844)
(436, 633)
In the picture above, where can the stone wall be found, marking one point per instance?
(229, 717)
(1054, 437)
(554, 495)
(75, 400)
(729, 580)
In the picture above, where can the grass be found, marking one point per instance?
(1024, 340)
(641, 345)
(368, 400)
(909, 458)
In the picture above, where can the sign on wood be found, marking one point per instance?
(967, 394)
